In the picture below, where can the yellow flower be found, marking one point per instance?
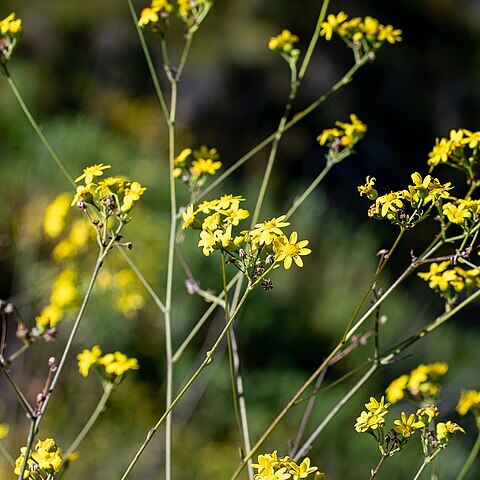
(301, 471)
(84, 193)
(426, 414)
(332, 23)
(87, 359)
(283, 42)
(440, 152)
(208, 240)
(266, 462)
(54, 220)
(204, 166)
(64, 291)
(290, 250)
(118, 363)
(356, 127)
(328, 135)
(406, 426)
(396, 390)
(182, 157)
(456, 214)
(92, 171)
(390, 34)
(376, 406)
(368, 189)
(148, 15)
(370, 26)
(43, 462)
(389, 204)
(472, 139)
(369, 420)
(267, 232)
(446, 430)
(10, 25)
(469, 401)
(435, 269)
(132, 195)
(235, 215)
(188, 216)
(3, 430)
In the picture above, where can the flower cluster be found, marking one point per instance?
(449, 280)
(420, 197)
(42, 463)
(107, 203)
(10, 31)
(342, 138)
(360, 33)
(252, 251)
(110, 366)
(372, 421)
(270, 467)
(283, 42)
(191, 12)
(460, 150)
(193, 167)
(422, 383)
(469, 401)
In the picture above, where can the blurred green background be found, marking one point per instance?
(82, 72)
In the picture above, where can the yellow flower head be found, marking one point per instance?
(204, 166)
(446, 430)
(331, 25)
(396, 390)
(43, 462)
(469, 401)
(87, 359)
(406, 426)
(93, 171)
(10, 25)
(283, 42)
(267, 232)
(368, 189)
(148, 15)
(54, 220)
(118, 363)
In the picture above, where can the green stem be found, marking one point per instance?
(215, 302)
(208, 359)
(143, 280)
(298, 201)
(314, 39)
(183, 59)
(148, 58)
(425, 462)
(91, 421)
(21, 397)
(28, 448)
(308, 444)
(6, 454)
(374, 471)
(19, 352)
(37, 127)
(471, 458)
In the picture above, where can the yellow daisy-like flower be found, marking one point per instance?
(288, 251)
(118, 363)
(440, 152)
(188, 216)
(203, 165)
(332, 23)
(447, 429)
(469, 401)
(390, 34)
(283, 42)
(456, 214)
(435, 269)
(92, 171)
(396, 390)
(406, 426)
(10, 25)
(328, 135)
(87, 359)
(267, 232)
(472, 139)
(368, 189)
(148, 15)
(303, 470)
(182, 157)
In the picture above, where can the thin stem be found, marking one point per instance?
(37, 127)
(347, 78)
(374, 471)
(19, 352)
(21, 397)
(183, 59)
(314, 39)
(148, 58)
(170, 265)
(425, 462)
(208, 359)
(6, 454)
(91, 421)
(215, 302)
(143, 280)
(233, 382)
(471, 458)
(308, 444)
(28, 448)
(298, 201)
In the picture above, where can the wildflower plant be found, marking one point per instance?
(250, 246)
